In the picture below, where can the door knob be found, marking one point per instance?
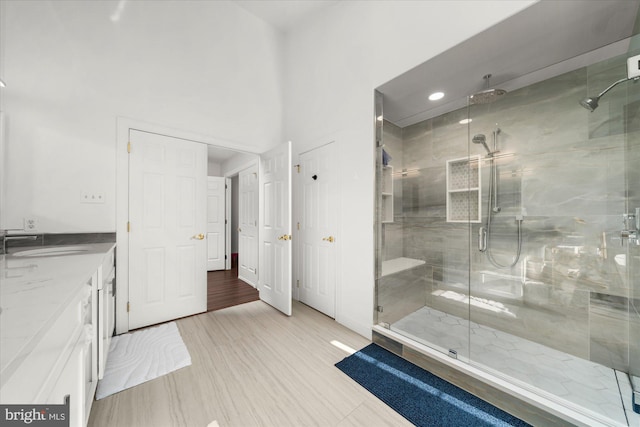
(285, 237)
(329, 239)
(198, 236)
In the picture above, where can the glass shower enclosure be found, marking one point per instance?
(507, 236)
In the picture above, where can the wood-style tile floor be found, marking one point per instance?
(253, 366)
(224, 289)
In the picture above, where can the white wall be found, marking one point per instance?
(333, 62)
(238, 162)
(73, 67)
(213, 168)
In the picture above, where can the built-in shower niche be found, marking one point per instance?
(464, 190)
(387, 193)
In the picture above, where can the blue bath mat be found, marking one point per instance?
(419, 396)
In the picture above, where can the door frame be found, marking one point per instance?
(123, 125)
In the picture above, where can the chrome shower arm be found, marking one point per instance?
(614, 85)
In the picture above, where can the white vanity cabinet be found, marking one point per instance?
(106, 309)
(90, 357)
(50, 371)
(55, 328)
(71, 383)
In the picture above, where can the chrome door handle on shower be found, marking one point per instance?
(482, 239)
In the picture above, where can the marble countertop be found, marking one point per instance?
(34, 291)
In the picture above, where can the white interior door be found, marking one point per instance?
(248, 226)
(318, 226)
(275, 228)
(227, 224)
(167, 215)
(216, 213)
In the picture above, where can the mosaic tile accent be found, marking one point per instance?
(463, 206)
(463, 174)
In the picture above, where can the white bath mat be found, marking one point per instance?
(142, 356)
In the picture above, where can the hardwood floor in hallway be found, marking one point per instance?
(224, 289)
(253, 366)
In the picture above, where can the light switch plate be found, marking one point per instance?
(91, 197)
(633, 67)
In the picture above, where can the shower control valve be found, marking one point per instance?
(630, 222)
(630, 235)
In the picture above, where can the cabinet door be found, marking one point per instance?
(71, 383)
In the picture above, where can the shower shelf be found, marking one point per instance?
(463, 190)
(387, 194)
(397, 265)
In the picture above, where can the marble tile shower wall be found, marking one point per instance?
(563, 169)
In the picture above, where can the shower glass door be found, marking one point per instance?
(495, 276)
(553, 277)
(632, 257)
(422, 262)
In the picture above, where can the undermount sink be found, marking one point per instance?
(52, 251)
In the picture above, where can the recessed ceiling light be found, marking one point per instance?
(465, 121)
(436, 95)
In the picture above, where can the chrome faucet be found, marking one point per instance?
(5, 237)
(631, 227)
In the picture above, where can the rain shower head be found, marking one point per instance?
(591, 103)
(488, 95)
(481, 139)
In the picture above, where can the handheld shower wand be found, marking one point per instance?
(481, 139)
(484, 232)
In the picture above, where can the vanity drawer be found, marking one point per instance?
(34, 379)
